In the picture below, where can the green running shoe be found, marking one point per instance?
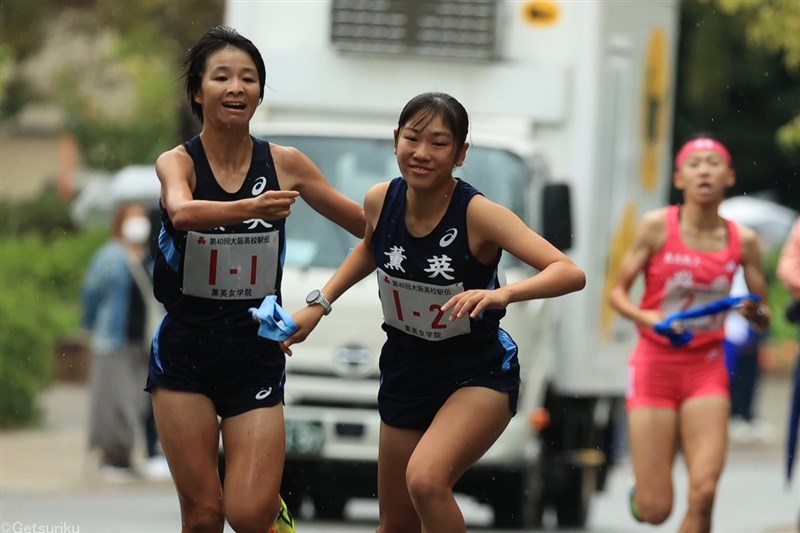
(633, 507)
(284, 523)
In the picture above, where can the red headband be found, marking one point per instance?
(702, 144)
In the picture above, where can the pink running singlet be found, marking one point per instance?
(678, 278)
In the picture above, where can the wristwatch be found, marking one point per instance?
(316, 297)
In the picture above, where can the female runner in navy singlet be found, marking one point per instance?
(225, 197)
(450, 376)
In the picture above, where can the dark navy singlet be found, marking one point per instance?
(416, 275)
(207, 279)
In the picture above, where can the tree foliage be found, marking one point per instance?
(20, 27)
(112, 67)
(742, 91)
(773, 25)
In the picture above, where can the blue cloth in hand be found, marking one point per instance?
(276, 324)
(681, 339)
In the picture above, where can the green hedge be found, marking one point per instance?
(46, 215)
(41, 274)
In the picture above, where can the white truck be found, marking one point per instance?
(571, 106)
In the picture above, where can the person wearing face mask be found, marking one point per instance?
(121, 314)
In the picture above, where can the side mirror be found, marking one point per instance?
(557, 215)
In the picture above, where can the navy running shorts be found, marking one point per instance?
(413, 387)
(238, 374)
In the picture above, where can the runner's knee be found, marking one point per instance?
(702, 494)
(424, 485)
(202, 517)
(248, 516)
(654, 509)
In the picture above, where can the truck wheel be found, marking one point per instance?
(572, 505)
(293, 496)
(298, 477)
(517, 512)
(572, 515)
(520, 505)
(328, 505)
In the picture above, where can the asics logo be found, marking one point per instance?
(449, 236)
(261, 184)
(263, 393)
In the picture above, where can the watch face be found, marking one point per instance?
(313, 295)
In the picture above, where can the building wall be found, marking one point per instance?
(29, 163)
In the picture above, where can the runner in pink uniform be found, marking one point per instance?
(678, 278)
(678, 397)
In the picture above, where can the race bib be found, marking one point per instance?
(682, 299)
(240, 266)
(416, 308)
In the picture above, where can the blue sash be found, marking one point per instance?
(276, 324)
(680, 339)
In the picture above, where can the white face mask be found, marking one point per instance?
(136, 230)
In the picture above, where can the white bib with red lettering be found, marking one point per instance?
(230, 266)
(415, 308)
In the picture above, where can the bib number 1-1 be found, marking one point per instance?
(230, 266)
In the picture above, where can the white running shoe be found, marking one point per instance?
(156, 468)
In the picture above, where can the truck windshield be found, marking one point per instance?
(353, 165)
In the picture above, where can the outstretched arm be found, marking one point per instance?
(175, 170)
(358, 265)
(493, 227)
(297, 172)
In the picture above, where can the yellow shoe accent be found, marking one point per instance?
(284, 523)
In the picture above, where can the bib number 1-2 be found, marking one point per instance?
(416, 308)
